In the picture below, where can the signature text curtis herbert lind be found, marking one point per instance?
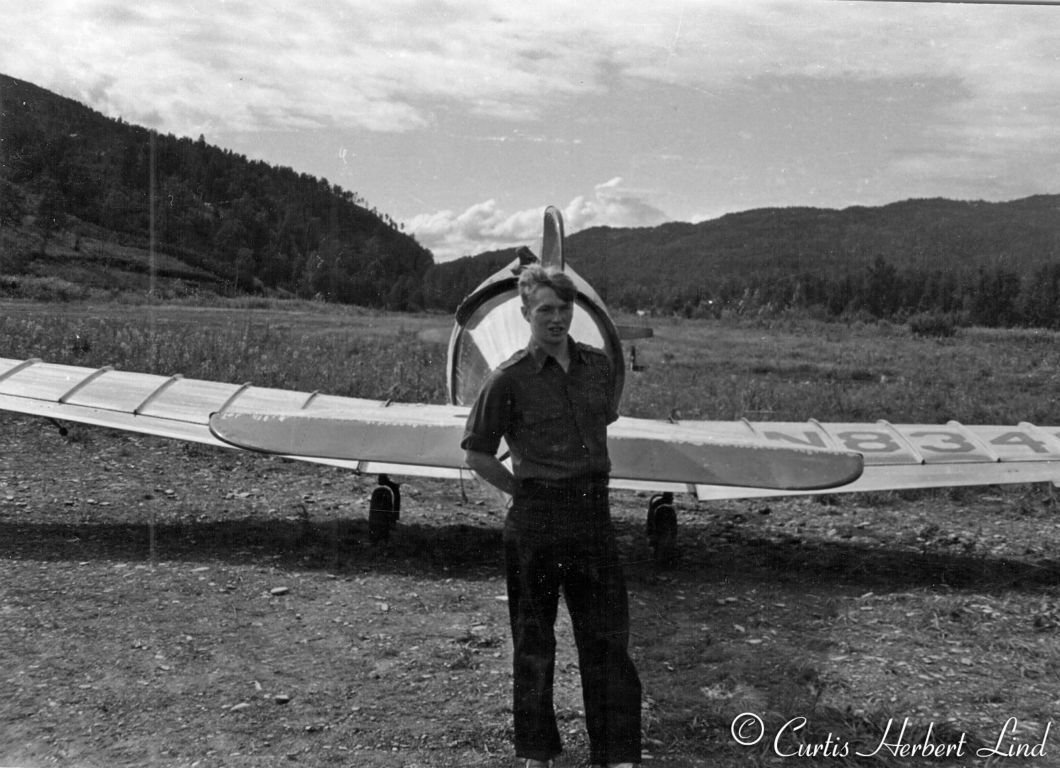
(749, 729)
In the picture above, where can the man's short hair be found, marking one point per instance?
(535, 276)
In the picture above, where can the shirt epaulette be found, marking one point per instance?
(513, 359)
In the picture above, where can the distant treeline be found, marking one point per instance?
(992, 297)
(250, 225)
(985, 296)
(993, 264)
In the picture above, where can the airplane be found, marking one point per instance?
(708, 459)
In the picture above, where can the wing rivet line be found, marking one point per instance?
(84, 383)
(903, 440)
(20, 367)
(232, 398)
(1040, 433)
(751, 427)
(974, 439)
(154, 395)
(829, 440)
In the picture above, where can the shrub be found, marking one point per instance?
(932, 324)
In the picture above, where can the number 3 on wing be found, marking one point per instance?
(948, 442)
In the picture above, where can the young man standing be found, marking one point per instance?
(552, 402)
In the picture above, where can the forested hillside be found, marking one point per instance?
(975, 262)
(74, 205)
(75, 221)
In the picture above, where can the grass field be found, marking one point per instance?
(771, 370)
(167, 605)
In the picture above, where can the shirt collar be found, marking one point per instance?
(540, 356)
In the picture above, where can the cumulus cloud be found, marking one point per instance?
(486, 226)
(481, 227)
(612, 205)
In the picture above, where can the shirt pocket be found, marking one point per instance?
(591, 403)
(548, 427)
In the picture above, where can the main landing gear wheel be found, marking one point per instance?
(384, 509)
(662, 527)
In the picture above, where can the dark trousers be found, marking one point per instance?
(561, 539)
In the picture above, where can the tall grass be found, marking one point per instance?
(699, 369)
(266, 349)
(835, 372)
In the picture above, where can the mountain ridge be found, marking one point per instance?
(75, 221)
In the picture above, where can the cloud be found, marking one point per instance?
(385, 67)
(486, 227)
(612, 205)
(422, 72)
(354, 63)
(481, 227)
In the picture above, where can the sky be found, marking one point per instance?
(462, 120)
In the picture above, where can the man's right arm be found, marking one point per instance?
(492, 470)
(486, 424)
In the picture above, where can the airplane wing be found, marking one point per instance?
(897, 456)
(374, 437)
(179, 408)
(710, 459)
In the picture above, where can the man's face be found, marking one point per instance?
(549, 316)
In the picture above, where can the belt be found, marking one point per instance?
(586, 482)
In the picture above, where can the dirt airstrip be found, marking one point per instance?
(173, 605)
